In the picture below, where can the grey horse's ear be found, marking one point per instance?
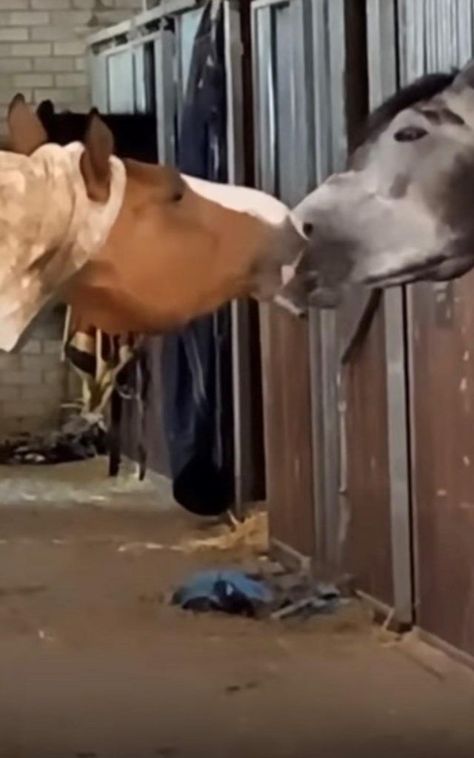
(465, 77)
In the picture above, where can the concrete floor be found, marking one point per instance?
(95, 664)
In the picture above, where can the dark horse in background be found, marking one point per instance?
(135, 134)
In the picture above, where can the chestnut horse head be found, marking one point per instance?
(140, 248)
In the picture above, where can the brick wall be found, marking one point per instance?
(42, 46)
(33, 382)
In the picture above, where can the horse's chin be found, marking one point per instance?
(325, 298)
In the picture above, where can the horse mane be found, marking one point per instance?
(423, 88)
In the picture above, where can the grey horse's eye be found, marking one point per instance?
(410, 134)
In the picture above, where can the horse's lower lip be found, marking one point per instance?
(395, 280)
(406, 275)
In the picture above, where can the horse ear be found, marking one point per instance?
(26, 132)
(465, 77)
(95, 162)
(45, 112)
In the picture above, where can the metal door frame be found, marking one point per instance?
(265, 139)
(240, 310)
(328, 55)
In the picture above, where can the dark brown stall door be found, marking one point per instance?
(287, 411)
(367, 553)
(442, 340)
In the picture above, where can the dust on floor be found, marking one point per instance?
(95, 664)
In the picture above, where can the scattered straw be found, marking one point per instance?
(250, 535)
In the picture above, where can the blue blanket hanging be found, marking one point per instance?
(196, 362)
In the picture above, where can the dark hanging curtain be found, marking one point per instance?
(196, 362)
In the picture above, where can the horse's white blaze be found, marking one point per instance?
(245, 200)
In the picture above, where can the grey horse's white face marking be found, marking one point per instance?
(404, 209)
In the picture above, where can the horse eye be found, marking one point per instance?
(177, 197)
(410, 134)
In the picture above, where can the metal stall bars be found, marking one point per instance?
(434, 35)
(383, 81)
(330, 138)
(301, 137)
(300, 84)
(120, 59)
(144, 63)
(240, 310)
(125, 64)
(350, 460)
(284, 144)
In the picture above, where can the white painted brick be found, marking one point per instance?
(7, 96)
(47, 328)
(39, 392)
(54, 377)
(61, 95)
(9, 393)
(80, 64)
(21, 378)
(14, 5)
(71, 18)
(50, 5)
(114, 16)
(5, 50)
(92, 4)
(33, 80)
(5, 80)
(8, 361)
(74, 49)
(32, 347)
(71, 80)
(52, 347)
(42, 362)
(29, 18)
(51, 34)
(13, 34)
(15, 65)
(33, 49)
(54, 64)
(36, 363)
(22, 408)
(128, 4)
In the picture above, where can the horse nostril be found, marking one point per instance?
(307, 229)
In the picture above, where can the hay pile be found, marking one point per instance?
(250, 536)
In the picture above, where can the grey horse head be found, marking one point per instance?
(404, 208)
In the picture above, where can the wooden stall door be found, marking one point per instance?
(288, 431)
(367, 550)
(442, 346)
